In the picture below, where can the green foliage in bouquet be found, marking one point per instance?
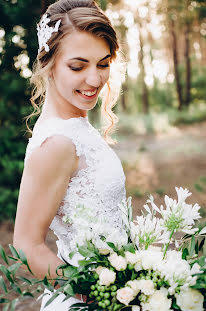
(133, 275)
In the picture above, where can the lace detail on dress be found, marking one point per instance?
(99, 182)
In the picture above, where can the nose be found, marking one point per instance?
(94, 78)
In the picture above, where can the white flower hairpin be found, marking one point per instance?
(44, 32)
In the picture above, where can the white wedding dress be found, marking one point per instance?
(99, 182)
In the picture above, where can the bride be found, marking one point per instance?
(67, 161)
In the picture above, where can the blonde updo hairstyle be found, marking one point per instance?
(75, 15)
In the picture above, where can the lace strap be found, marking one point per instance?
(70, 128)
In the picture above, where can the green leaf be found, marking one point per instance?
(26, 293)
(69, 290)
(6, 273)
(203, 231)
(6, 308)
(14, 251)
(24, 280)
(192, 246)
(199, 188)
(85, 252)
(3, 255)
(185, 253)
(3, 284)
(13, 304)
(70, 271)
(129, 248)
(4, 300)
(71, 255)
(23, 258)
(51, 299)
(12, 269)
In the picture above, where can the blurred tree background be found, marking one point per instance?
(164, 45)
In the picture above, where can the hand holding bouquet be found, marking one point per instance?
(144, 268)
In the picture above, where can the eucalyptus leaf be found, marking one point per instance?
(3, 255)
(6, 307)
(51, 299)
(203, 231)
(12, 269)
(192, 246)
(3, 284)
(6, 273)
(14, 251)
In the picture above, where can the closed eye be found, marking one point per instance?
(80, 68)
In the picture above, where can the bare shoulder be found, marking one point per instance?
(56, 152)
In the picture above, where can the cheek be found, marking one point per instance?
(105, 75)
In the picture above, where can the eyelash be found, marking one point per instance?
(80, 68)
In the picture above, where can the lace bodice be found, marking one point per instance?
(99, 181)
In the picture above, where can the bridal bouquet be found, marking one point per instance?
(156, 263)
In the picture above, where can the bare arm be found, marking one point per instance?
(43, 186)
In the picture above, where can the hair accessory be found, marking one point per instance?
(44, 32)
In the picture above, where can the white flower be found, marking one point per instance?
(190, 300)
(157, 302)
(104, 251)
(135, 308)
(151, 258)
(149, 230)
(147, 287)
(107, 277)
(178, 215)
(131, 258)
(99, 269)
(195, 269)
(135, 285)
(125, 295)
(118, 262)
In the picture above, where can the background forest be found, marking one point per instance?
(162, 109)
(164, 45)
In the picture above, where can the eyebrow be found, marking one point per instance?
(86, 60)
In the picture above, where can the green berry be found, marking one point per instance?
(106, 295)
(96, 293)
(107, 302)
(98, 298)
(130, 266)
(96, 276)
(102, 288)
(101, 294)
(93, 287)
(113, 294)
(113, 288)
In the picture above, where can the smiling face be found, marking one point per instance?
(81, 69)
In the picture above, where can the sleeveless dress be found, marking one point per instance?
(99, 182)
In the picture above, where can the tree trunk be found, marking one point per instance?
(145, 100)
(176, 63)
(188, 65)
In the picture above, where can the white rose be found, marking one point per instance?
(131, 258)
(99, 269)
(118, 262)
(147, 287)
(135, 285)
(151, 257)
(107, 277)
(190, 300)
(158, 302)
(125, 295)
(135, 308)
